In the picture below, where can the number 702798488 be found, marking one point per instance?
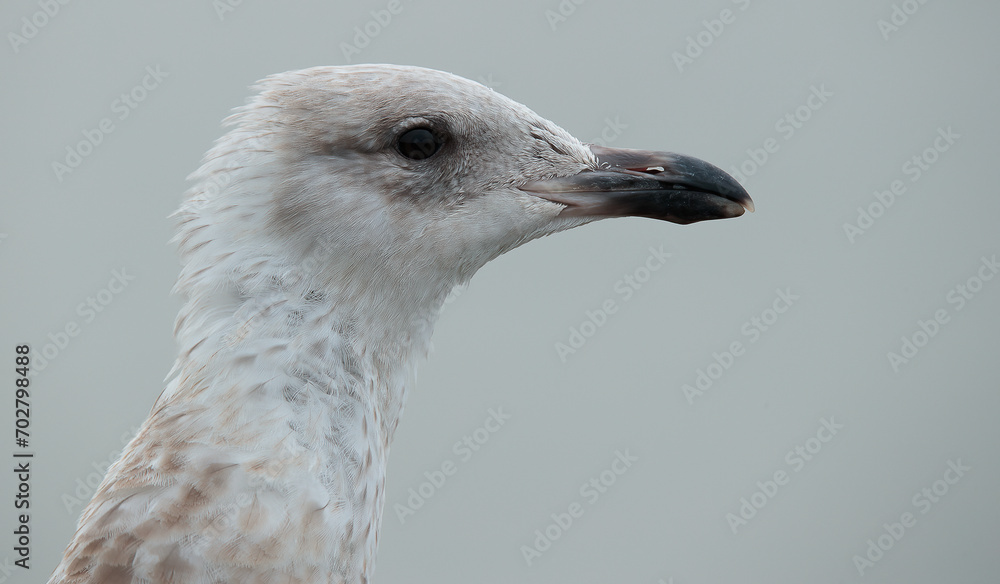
(22, 420)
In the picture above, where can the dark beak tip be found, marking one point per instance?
(743, 198)
(740, 195)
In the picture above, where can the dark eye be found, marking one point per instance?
(418, 144)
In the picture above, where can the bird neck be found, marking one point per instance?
(303, 352)
(313, 381)
(296, 334)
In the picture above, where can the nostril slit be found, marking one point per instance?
(649, 170)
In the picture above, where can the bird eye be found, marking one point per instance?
(418, 144)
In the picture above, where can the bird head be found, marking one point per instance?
(412, 179)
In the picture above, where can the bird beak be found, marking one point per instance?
(643, 183)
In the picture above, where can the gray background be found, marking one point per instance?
(664, 519)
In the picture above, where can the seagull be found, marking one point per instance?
(322, 235)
